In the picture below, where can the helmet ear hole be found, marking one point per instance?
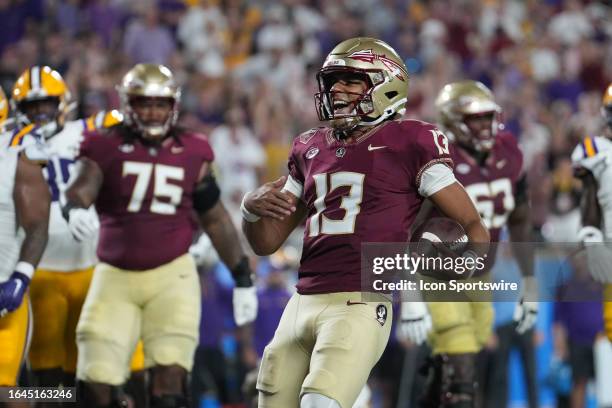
(391, 94)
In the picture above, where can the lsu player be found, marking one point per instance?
(24, 217)
(146, 177)
(592, 160)
(361, 178)
(41, 101)
(4, 110)
(488, 163)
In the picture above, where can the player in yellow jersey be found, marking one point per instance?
(41, 101)
(24, 216)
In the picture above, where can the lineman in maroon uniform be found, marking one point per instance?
(361, 179)
(488, 163)
(146, 177)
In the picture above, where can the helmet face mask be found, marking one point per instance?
(152, 115)
(480, 131)
(149, 100)
(41, 97)
(40, 111)
(344, 108)
(379, 67)
(469, 114)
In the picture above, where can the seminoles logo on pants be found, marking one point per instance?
(381, 314)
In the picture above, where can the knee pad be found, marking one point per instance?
(101, 372)
(451, 381)
(312, 400)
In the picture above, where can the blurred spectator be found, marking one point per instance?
(146, 40)
(239, 157)
(273, 298)
(201, 33)
(571, 24)
(578, 321)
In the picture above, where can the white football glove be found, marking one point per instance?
(245, 305)
(526, 311)
(598, 253)
(415, 322)
(83, 223)
(203, 252)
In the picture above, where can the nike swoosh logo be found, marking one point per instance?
(371, 148)
(349, 303)
(176, 150)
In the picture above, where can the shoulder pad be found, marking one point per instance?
(19, 135)
(591, 149)
(103, 119)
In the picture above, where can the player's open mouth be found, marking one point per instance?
(341, 106)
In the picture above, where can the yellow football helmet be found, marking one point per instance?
(149, 81)
(606, 108)
(4, 110)
(40, 84)
(459, 100)
(382, 69)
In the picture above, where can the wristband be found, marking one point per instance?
(66, 210)
(242, 274)
(246, 214)
(25, 268)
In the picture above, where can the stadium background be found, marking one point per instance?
(247, 70)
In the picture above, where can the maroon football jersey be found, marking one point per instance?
(145, 202)
(365, 191)
(492, 187)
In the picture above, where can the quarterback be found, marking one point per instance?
(24, 217)
(41, 101)
(361, 178)
(488, 163)
(592, 160)
(146, 177)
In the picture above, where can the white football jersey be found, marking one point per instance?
(595, 155)
(63, 253)
(10, 234)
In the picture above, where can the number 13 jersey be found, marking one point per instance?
(369, 190)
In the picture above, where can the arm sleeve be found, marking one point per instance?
(435, 178)
(294, 187)
(295, 180)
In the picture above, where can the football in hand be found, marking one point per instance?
(439, 238)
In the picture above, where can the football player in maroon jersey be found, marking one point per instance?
(488, 162)
(360, 179)
(146, 178)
